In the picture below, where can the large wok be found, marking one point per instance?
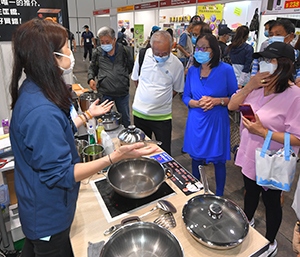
(214, 221)
(142, 239)
(136, 178)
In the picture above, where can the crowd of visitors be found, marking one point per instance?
(204, 58)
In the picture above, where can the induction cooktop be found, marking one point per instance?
(115, 206)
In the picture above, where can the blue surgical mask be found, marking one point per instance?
(276, 39)
(107, 48)
(194, 40)
(266, 33)
(161, 59)
(267, 67)
(202, 57)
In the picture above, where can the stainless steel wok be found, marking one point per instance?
(136, 178)
(142, 239)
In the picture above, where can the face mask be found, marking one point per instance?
(202, 57)
(194, 40)
(71, 57)
(229, 39)
(266, 33)
(276, 39)
(107, 48)
(267, 67)
(161, 59)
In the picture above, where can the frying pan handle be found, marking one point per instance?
(204, 179)
(130, 219)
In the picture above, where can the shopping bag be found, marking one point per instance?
(275, 169)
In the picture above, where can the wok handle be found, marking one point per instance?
(130, 219)
(204, 179)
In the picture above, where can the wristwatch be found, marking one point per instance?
(222, 101)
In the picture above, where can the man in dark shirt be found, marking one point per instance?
(224, 37)
(87, 40)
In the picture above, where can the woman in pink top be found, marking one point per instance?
(275, 101)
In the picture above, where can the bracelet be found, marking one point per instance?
(110, 159)
(88, 114)
(80, 116)
(86, 118)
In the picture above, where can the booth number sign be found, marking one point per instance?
(292, 4)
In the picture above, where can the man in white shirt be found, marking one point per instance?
(160, 79)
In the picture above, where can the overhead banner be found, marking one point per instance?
(15, 12)
(280, 6)
(146, 6)
(212, 15)
(166, 3)
(128, 8)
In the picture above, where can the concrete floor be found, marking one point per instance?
(234, 182)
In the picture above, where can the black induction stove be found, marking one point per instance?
(114, 205)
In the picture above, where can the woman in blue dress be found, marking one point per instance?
(208, 87)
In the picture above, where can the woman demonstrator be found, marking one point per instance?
(47, 168)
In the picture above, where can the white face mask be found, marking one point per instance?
(71, 57)
(267, 67)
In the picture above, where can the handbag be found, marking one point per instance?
(275, 169)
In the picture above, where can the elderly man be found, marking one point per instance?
(112, 63)
(160, 79)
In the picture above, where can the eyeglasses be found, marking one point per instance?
(202, 49)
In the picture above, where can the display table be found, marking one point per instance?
(89, 224)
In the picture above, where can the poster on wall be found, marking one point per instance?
(123, 24)
(138, 37)
(280, 6)
(211, 14)
(15, 12)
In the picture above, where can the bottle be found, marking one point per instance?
(5, 125)
(107, 142)
(91, 135)
(99, 129)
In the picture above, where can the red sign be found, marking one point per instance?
(101, 12)
(165, 3)
(146, 6)
(291, 4)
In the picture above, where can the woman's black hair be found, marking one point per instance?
(284, 74)
(214, 45)
(34, 43)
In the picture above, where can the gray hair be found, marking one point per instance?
(106, 31)
(161, 36)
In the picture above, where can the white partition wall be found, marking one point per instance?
(149, 18)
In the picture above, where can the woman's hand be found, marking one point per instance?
(255, 127)
(97, 110)
(207, 103)
(133, 151)
(261, 79)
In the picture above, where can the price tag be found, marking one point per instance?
(292, 4)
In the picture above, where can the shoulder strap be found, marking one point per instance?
(141, 58)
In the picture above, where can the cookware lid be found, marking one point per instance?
(131, 134)
(216, 221)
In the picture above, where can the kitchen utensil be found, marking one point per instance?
(92, 152)
(166, 220)
(214, 221)
(136, 178)
(142, 239)
(111, 120)
(132, 134)
(80, 145)
(4, 162)
(86, 99)
(161, 204)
